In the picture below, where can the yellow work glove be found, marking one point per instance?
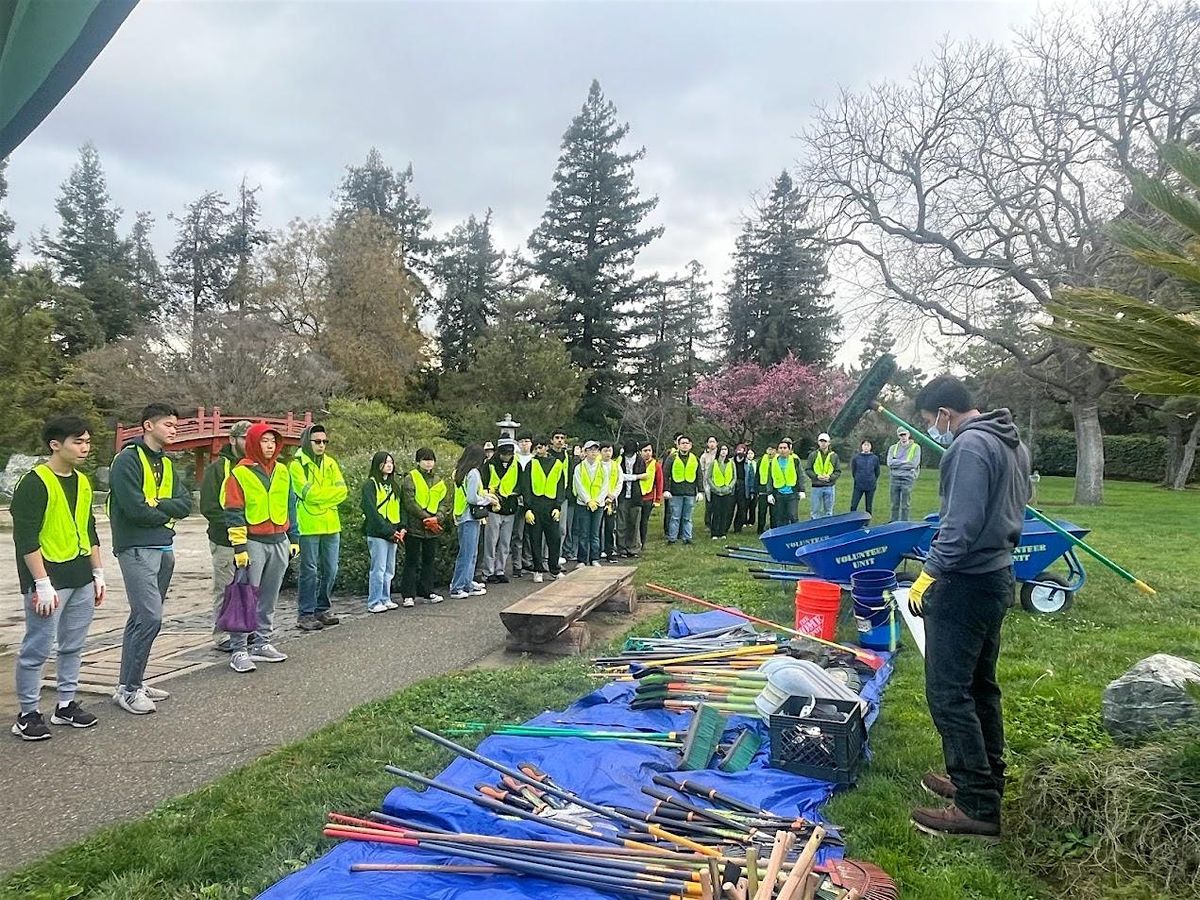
(152, 502)
(593, 505)
(530, 518)
(293, 551)
(916, 594)
(556, 514)
(241, 558)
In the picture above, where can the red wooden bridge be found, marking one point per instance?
(207, 432)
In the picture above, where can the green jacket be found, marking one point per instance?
(412, 516)
(320, 489)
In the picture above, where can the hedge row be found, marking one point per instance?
(1133, 457)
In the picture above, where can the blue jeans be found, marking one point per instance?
(68, 627)
(586, 526)
(821, 499)
(681, 517)
(383, 570)
(318, 571)
(468, 549)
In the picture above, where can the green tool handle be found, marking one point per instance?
(925, 441)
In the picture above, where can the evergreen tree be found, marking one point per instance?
(87, 252)
(696, 333)
(586, 245)
(377, 188)
(8, 252)
(244, 236)
(201, 262)
(656, 328)
(147, 278)
(469, 269)
(741, 321)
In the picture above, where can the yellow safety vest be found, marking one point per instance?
(64, 535)
(910, 453)
(506, 485)
(543, 483)
(592, 486)
(460, 501)
(823, 465)
(224, 478)
(764, 469)
(387, 501)
(782, 477)
(647, 481)
(152, 489)
(685, 473)
(307, 472)
(263, 504)
(614, 477)
(429, 499)
(722, 478)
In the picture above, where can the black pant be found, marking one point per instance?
(867, 494)
(963, 614)
(544, 528)
(417, 579)
(743, 511)
(783, 510)
(608, 532)
(762, 512)
(644, 523)
(722, 515)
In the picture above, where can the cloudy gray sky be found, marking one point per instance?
(189, 96)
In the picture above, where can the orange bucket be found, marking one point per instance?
(817, 607)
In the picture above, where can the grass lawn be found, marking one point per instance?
(242, 833)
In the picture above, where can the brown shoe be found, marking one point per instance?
(952, 821)
(938, 785)
(327, 618)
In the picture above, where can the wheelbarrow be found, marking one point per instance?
(1042, 592)
(836, 558)
(780, 544)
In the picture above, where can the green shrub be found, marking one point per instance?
(1131, 457)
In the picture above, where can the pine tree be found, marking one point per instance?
(201, 262)
(377, 188)
(8, 252)
(696, 333)
(586, 245)
(148, 282)
(741, 312)
(656, 327)
(244, 236)
(88, 253)
(469, 269)
(879, 340)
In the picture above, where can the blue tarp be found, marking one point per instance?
(607, 772)
(681, 624)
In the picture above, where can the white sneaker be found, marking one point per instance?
(560, 576)
(409, 602)
(562, 560)
(267, 653)
(596, 563)
(135, 702)
(156, 694)
(537, 578)
(391, 604)
(603, 555)
(436, 598)
(477, 591)
(478, 586)
(377, 607)
(459, 595)
(241, 662)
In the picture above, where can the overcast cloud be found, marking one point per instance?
(189, 96)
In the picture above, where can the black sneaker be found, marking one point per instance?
(518, 573)
(31, 727)
(74, 715)
(309, 623)
(500, 579)
(327, 618)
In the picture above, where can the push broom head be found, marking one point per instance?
(737, 758)
(864, 396)
(702, 738)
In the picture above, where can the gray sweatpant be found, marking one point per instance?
(146, 572)
(268, 565)
(497, 543)
(901, 496)
(519, 549)
(222, 574)
(68, 625)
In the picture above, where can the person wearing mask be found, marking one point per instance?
(764, 485)
(706, 461)
(424, 514)
(543, 489)
(631, 469)
(318, 482)
(722, 481)
(519, 549)
(212, 491)
(651, 487)
(471, 504)
(590, 490)
(260, 512)
(145, 500)
(380, 503)
(608, 521)
(864, 468)
(904, 465)
(824, 467)
(683, 483)
(60, 574)
(560, 451)
(786, 485)
(502, 482)
(744, 480)
(963, 592)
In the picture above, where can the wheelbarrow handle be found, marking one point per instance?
(925, 441)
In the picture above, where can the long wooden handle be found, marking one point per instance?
(798, 877)
(766, 887)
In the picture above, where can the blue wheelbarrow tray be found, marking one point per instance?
(782, 543)
(835, 559)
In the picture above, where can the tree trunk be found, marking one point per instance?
(1089, 453)
(1174, 449)
(1188, 458)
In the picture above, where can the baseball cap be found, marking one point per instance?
(591, 445)
(901, 430)
(823, 436)
(240, 428)
(506, 442)
(488, 445)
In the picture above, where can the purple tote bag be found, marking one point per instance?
(239, 608)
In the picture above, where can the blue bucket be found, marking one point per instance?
(875, 608)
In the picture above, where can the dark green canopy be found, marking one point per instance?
(45, 46)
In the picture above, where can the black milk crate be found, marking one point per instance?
(820, 745)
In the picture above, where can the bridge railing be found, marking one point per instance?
(208, 426)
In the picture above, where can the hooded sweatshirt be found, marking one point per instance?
(984, 486)
(134, 522)
(320, 488)
(235, 499)
(210, 495)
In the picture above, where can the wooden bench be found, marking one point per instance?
(550, 619)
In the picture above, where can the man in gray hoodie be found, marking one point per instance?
(963, 592)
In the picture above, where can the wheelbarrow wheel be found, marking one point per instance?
(1046, 601)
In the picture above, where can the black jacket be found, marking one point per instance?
(210, 495)
(374, 523)
(134, 522)
(864, 467)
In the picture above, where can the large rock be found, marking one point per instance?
(1157, 694)
(18, 465)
